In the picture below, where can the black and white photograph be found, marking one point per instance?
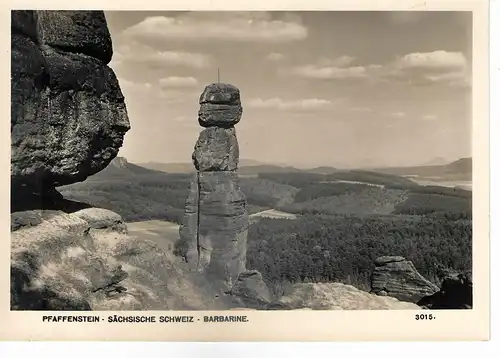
(241, 161)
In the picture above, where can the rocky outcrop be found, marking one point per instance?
(397, 277)
(252, 290)
(102, 219)
(68, 112)
(337, 296)
(215, 224)
(56, 265)
(86, 261)
(455, 293)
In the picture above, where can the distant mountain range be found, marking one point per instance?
(435, 161)
(189, 168)
(169, 167)
(122, 168)
(246, 167)
(457, 170)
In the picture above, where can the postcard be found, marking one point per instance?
(251, 171)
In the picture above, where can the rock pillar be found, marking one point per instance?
(215, 224)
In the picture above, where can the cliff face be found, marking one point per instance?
(68, 115)
(68, 120)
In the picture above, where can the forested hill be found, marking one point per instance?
(459, 170)
(121, 168)
(138, 193)
(344, 219)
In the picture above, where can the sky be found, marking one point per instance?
(343, 89)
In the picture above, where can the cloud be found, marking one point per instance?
(341, 61)
(337, 68)
(426, 68)
(134, 86)
(140, 54)
(117, 59)
(429, 117)
(457, 79)
(362, 109)
(398, 114)
(275, 56)
(418, 68)
(281, 104)
(434, 61)
(172, 58)
(169, 82)
(330, 72)
(156, 91)
(220, 26)
(178, 96)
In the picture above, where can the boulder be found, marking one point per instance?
(252, 290)
(216, 150)
(220, 93)
(68, 116)
(222, 115)
(98, 218)
(29, 218)
(455, 293)
(220, 105)
(397, 277)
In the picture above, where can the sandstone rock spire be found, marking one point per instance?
(215, 224)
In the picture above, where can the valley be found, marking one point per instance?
(306, 226)
(163, 233)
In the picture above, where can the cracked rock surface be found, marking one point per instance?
(215, 224)
(68, 114)
(397, 277)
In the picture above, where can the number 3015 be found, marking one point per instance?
(424, 316)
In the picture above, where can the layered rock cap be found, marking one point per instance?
(220, 105)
